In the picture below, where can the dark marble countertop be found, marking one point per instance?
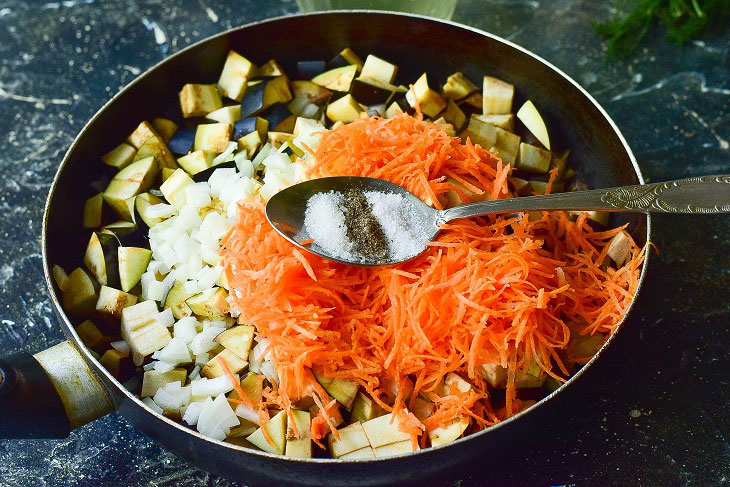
(655, 411)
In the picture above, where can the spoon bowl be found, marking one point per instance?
(286, 209)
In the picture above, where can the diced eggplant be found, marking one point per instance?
(90, 334)
(601, 218)
(532, 119)
(213, 137)
(309, 91)
(496, 96)
(521, 187)
(101, 258)
(446, 126)
(338, 79)
(271, 69)
(120, 157)
(582, 347)
(298, 440)
(237, 70)
(174, 188)
(351, 438)
(480, 133)
(495, 375)
(175, 300)
(530, 377)
(165, 173)
(378, 70)
(143, 331)
(197, 100)
(211, 306)
(384, 430)
(253, 100)
(164, 127)
(533, 159)
(370, 91)
(92, 211)
(204, 175)
(229, 114)
(276, 431)
(130, 181)
(250, 143)
(365, 409)
(213, 368)
(426, 94)
(60, 276)
(79, 297)
(461, 195)
(119, 229)
(290, 149)
(286, 125)
(265, 94)
(396, 107)
(559, 162)
(458, 86)
(345, 110)
(452, 383)
(277, 139)
(366, 452)
(345, 57)
(422, 408)
(133, 263)
(507, 146)
(454, 115)
(111, 302)
(472, 102)
(503, 121)
(182, 142)
(153, 380)
(237, 339)
(247, 125)
(252, 387)
(448, 433)
(275, 115)
(117, 363)
(310, 68)
(197, 161)
(540, 187)
(343, 390)
(619, 250)
(144, 131)
(155, 147)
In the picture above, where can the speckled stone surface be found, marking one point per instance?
(654, 411)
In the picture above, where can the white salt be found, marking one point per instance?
(405, 228)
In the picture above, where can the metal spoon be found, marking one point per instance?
(707, 194)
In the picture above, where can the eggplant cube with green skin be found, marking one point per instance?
(144, 131)
(352, 438)
(130, 181)
(384, 430)
(213, 368)
(379, 70)
(142, 331)
(173, 189)
(153, 380)
(236, 72)
(496, 96)
(197, 100)
(209, 305)
(112, 301)
(237, 339)
(133, 263)
(619, 250)
(427, 98)
(532, 119)
(197, 161)
(120, 157)
(343, 390)
(533, 159)
(164, 127)
(448, 433)
(93, 210)
(276, 430)
(298, 442)
(345, 110)
(338, 79)
(213, 137)
(458, 86)
(100, 258)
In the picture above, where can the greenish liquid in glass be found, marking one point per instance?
(435, 8)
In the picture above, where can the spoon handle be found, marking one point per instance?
(705, 194)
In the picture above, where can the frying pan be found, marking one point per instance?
(64, 387)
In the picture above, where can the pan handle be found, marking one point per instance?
(48, 394)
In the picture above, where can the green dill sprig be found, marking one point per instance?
(683, 19)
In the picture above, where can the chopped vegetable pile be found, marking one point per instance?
(190, 298)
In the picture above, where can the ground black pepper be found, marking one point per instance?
(363, 228)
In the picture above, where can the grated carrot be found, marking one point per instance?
(489, 290)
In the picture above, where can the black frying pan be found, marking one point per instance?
(65, 386)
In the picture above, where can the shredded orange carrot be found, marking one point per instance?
(491, 290)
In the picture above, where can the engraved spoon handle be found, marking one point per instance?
(705, 194)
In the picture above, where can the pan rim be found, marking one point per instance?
(96, 366)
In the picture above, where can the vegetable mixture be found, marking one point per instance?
(191, 299)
